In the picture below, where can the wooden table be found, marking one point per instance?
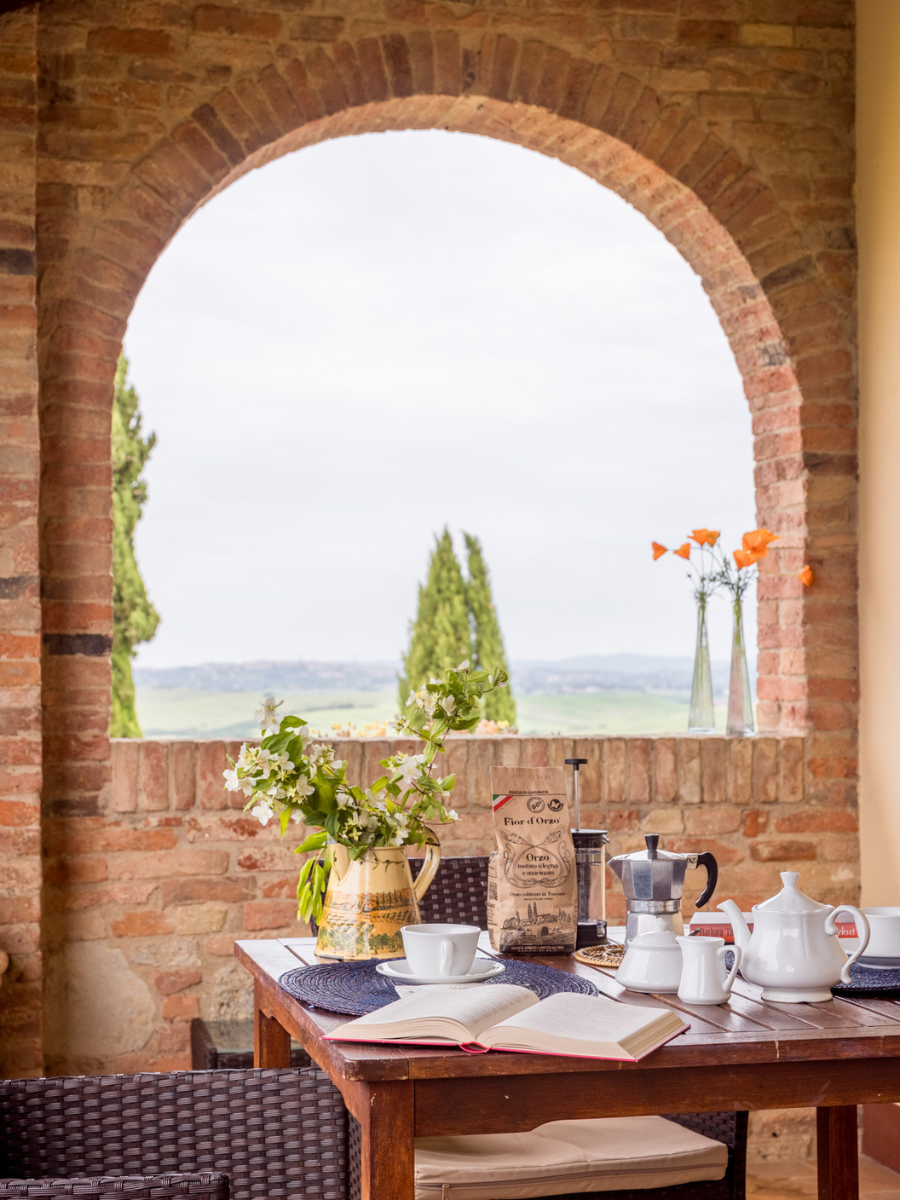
(744, 1055)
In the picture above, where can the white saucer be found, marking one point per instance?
(482, 968)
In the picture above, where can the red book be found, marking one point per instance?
(715, 925)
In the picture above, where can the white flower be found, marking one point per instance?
(448, 704)
(410, 769)
(266, 714)
(232, 783)
(263, 812)
(282, 761)
(464, 665)
(453, 814)
(412, 699)
(296, 816)
(343, 799)
(337, 763)
(276, 792)
(304, 787)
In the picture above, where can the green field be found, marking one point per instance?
(188, 713)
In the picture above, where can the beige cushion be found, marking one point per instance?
(600, 1155)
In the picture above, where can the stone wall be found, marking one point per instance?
(145, 899)
(20, 614)
(728, 123)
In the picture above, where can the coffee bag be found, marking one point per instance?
(531, 877)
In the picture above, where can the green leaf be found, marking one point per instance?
(315, 841)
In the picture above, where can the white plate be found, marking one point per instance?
(482, 968)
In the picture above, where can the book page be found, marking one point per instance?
(584, 1018)
(473, 1009)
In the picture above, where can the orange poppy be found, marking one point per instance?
(806, 576)
(757, 541)
(683, 551)
(746, 558)
(705, 537)
(658, 551)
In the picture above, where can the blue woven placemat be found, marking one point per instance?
(357, 988)
(870, 981)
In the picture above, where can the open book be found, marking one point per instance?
(507, 1017)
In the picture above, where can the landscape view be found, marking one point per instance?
(624, 694)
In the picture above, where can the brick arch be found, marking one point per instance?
(770, 287)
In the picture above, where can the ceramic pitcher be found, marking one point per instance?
(369, 900)
(704, 977)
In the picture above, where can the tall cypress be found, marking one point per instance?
(439, 636)
(134, 617)
(487, 648)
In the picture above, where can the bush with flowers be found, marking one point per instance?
(290, 777)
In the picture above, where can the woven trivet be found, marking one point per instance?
(869, 981)
(601, 956)
(357, 988)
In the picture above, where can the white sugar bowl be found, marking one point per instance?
(653, 961)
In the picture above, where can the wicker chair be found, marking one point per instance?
(253, 1135)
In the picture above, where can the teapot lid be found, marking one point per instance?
(790, 899)
(659, 938)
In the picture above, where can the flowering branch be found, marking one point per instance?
(290, 777)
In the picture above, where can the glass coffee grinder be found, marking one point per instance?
(590, 873)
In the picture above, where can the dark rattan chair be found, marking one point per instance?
(258, 1135)
(228, 1046)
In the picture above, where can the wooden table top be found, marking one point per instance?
(747, 1030)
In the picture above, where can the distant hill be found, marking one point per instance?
(584, 675)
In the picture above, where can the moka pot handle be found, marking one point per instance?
(712, 876)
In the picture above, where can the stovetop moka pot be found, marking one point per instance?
(653, 881)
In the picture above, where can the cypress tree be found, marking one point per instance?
(439, 636)
(134, 617)
(488, 651)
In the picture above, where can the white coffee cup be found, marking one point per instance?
(435, 951)
(884, 932)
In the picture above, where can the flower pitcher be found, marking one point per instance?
(369, 899)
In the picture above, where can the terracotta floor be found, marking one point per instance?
(791, 1180)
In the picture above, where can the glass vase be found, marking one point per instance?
(740, 701)
(702, 717)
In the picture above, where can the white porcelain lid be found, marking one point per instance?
(790, 899)
(660, 938)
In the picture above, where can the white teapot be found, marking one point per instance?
(794, 953)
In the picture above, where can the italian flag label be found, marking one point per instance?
(499, 801)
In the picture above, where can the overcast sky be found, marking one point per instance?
(381, 335)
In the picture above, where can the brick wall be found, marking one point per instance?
(148, 896)
(20, 696)
(727, 122)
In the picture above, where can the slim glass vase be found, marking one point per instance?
(702, 718)
(740, 701)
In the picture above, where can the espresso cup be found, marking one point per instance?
(435, 951)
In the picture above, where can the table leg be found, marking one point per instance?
(271, 1042)
(837, 1153)
(387, 1123)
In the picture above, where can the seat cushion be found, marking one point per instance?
(601, 1155)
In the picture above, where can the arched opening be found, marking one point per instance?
(545, 354)
(204, 155)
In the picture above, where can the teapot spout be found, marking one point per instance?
(738, 924)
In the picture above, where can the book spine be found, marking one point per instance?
(845, 929)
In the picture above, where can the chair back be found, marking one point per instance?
(273, 1132)
(458, 894)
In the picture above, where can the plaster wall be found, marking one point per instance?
(878, 217)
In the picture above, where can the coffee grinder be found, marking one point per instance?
(590, 874)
